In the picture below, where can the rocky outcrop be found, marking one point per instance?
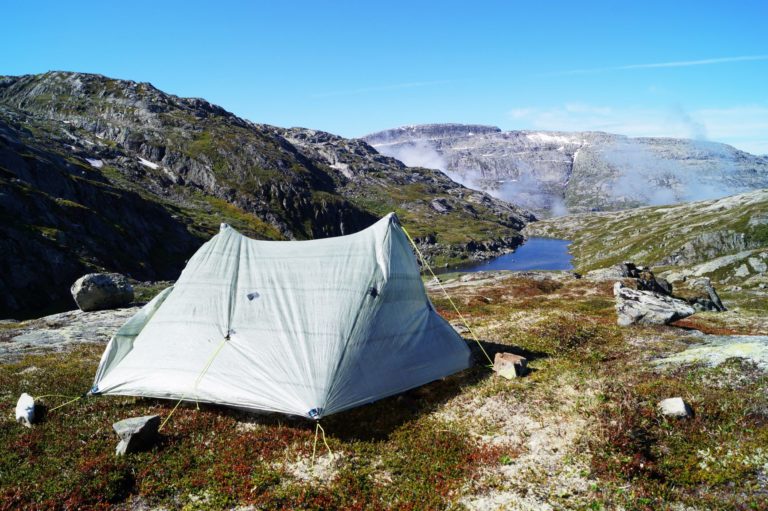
(648, 308)
(549, 172)
(60, 332)
(99, 291)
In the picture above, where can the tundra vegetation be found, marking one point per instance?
(580, 431)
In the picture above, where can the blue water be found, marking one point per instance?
(534, 254)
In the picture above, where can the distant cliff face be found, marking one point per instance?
(104, 174)
(555, 172)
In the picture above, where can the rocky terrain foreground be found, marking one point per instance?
(552, 172)
(582, 430)
(98, 174)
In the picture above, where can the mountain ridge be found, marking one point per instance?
(71, 141)
(560, 171)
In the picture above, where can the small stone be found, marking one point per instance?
(25, 410)
(742, 271)
(758, 264)
(136, 434)
(509, 365)
(675, 407)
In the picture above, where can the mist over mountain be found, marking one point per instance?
(553, 172)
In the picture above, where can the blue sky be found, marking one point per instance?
(691, 69)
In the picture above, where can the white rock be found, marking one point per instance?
(675, 407)
(97, 164)
(25, 410)
(741, 271)
(150, 164)
(611, 273)
(758, 264)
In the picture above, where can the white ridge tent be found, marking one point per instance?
(306, 328)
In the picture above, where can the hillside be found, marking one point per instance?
(679, 235)
(560, 172)
(725, 240)
(104, 174)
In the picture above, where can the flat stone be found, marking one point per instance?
(509, 365)
(675, 407)
(136, 434)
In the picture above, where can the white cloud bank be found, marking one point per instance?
(745, 127)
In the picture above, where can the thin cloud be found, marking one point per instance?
(743, 126)
(381, 88)
(677, 63)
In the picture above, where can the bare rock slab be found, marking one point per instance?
(675, 407)
(136, 434)
(99, 291)
(509, 365)
(648, 308)
(25, 410)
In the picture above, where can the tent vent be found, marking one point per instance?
(253, 295)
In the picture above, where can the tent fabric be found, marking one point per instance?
(309, 328)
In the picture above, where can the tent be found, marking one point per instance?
(306, 328)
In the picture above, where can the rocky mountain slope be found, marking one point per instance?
(97, 173)
(557, 172)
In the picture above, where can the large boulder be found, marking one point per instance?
(646, 307)
(98, 291)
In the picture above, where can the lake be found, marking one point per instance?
(534, 254)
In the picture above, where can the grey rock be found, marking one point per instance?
(665, 286)
(136, 434)
(629, 270)
(758, 264)
(61, 331)
(675, 407)
(612, 273)
(440, 205)
(645, 307)
(509, 365)
(99, 291)
(742, 271)
(715, 298)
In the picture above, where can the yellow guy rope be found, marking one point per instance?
(197, 381)
(72, 400)
(426, 265)
(314, 445)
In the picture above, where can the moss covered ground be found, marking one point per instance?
(581, 431)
